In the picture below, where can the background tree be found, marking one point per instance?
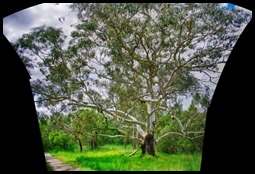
(188, 139)
(132, 62)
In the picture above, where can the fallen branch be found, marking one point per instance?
(133, 152)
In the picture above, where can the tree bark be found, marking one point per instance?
(80, 144)
(149, 145)
(133, 141)
(134, 144)
(91, 142)
(143, 147)
(125, 143)
(95, 140)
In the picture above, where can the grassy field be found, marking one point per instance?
(111, 158)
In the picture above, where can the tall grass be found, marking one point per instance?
(111, 158)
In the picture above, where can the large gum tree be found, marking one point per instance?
(131, 62)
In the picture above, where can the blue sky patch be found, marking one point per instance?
(230, 6)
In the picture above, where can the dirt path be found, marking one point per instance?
(58, 165)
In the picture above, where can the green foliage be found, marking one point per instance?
(44, 136)
(63, 131)
(193, 121)
(61, 140)
(144, 51)
(157, 50)
(177, 144)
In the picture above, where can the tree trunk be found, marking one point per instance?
(149, 145)
(125, 143)
(143, 147)
(134, 141)
(91, 144)
(151, 120)
(134, 144)
(95, 140)
(80, 144)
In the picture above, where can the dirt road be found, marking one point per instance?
(57, 165)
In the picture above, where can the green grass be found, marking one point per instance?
(111, 158)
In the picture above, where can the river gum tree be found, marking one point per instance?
(132, 62)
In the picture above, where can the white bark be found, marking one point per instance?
(168, 133)
(179, 122)
(151, 117)
(152, 122)
(133, 119)
(158, 108)
(197, 137)
(112, 136)
(120, 136)
(140, 131)
(133, 152)
(150, 100)
(111, 112)
(191, 132)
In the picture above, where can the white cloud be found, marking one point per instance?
(17, 24)
(36, 74)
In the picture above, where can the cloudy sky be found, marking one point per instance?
(15, 25)
(19, 23)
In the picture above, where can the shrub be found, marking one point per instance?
(61, 140)
(178, 144)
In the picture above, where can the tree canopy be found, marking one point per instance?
(133, 62)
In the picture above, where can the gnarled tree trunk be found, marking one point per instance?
(148, 145)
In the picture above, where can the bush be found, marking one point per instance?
(61, 140)
(177, 144)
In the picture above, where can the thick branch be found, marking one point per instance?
(158, 108)
(192, 132)
(112, 136)
(169, 133)
(85, 104)
(121, 131)
(120, 136)
(133, 119)
(110, 112)
(179, 122)
(199, 136)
